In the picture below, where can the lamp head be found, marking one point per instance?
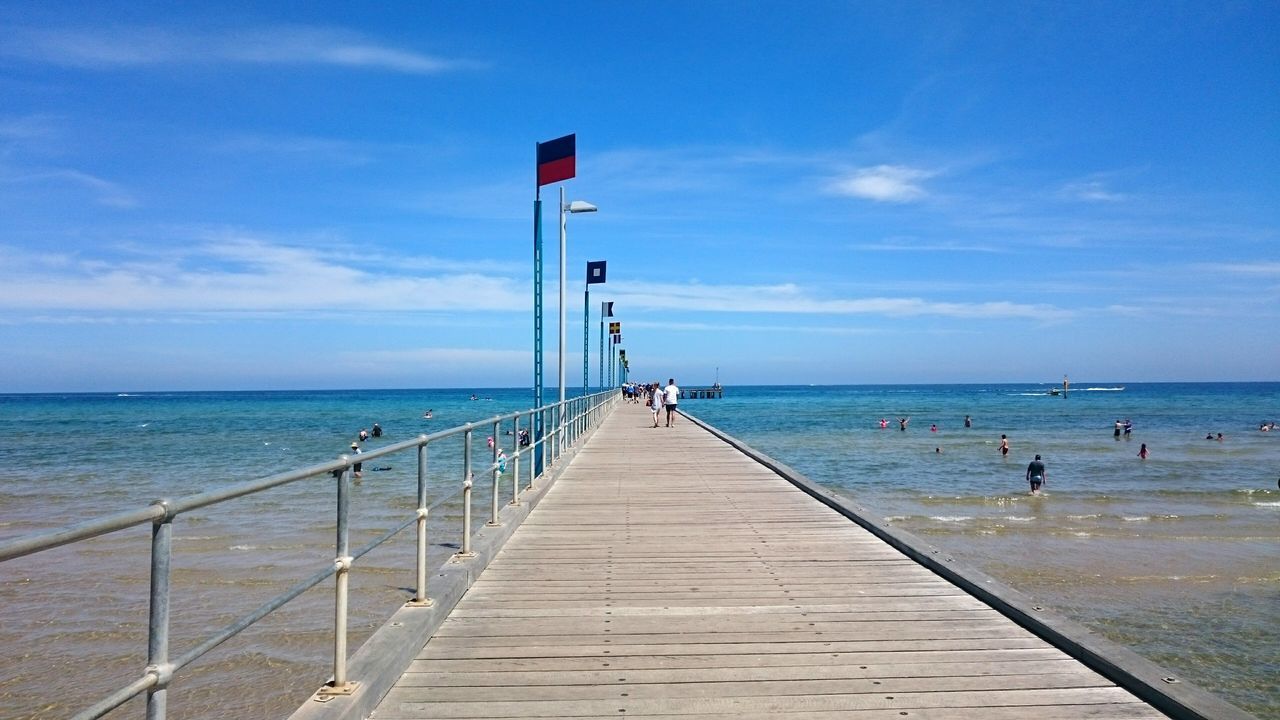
(580, 206)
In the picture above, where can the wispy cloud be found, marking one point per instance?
(239, 275)
(104, 192)
(911, 245)
(1090, 191)
(123, 47)
(1264, 269)
(790, 298)
(883, 183)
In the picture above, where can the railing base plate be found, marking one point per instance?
(329, 691)
(428, 602)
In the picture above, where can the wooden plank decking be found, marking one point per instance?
(668, 575)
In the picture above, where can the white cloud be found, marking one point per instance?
(239, 275)
(883, 183)
(104, 192)
(243, 275)
(283, 45)
(1258, 268)
(789, 298)
(1090, 191)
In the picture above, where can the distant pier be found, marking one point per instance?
(715, 392)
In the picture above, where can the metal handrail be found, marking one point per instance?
(573, 418)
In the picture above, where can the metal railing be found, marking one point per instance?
(566, 423)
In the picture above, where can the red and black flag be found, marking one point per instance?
(595, 272)
(556, 160)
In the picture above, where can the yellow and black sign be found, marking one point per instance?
(615, 328)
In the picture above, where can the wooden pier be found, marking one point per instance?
(669, 574)
(715, 392)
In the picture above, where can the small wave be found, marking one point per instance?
(243, 547)
(1082, 534)
(1104, 389)
(123, 395)
(1267, 504)
(951, 518)
(895, 518)
(1017, 518)
(1093, 516)
(1135, 518)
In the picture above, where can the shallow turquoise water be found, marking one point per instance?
(1177, 556)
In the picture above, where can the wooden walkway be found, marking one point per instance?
(666, 575)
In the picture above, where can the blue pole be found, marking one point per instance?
(537, 335)
(586, 340)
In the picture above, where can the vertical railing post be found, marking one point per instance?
(420, 598)
(342, 563)
(493, 472)
(158, 619)
(466, 494)
(515, 469)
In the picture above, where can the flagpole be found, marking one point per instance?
(586, 339)
(601, 366)
(537, 328)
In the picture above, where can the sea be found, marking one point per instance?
(1176, 556)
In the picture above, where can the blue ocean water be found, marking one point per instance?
(1176, 555)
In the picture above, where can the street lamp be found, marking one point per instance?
(577, 206)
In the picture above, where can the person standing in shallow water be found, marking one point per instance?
(1142, 451)
(1036, 475)
(1004, 445)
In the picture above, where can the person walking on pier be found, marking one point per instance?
(1036, 475)
(655, 402)
(670, 397)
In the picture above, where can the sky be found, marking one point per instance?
(253, 195)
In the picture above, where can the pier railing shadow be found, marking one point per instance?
(566, 424)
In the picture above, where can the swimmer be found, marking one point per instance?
(1142, 451)
(883, 423)
(1036, 475)
(490, 441)
(1004, 445)
(933, 428)
(377, 430)
(937, 451)
(426, 415)
(902, 423)
(968, 422)
(364, 434)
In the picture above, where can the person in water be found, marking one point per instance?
(377, 430)
(968, 422)
(364, 434)
(902, 423)
(357, 467)
(1036, 475)
(1004, 445)
(1142, 451)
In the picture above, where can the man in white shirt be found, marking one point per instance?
(670, 397)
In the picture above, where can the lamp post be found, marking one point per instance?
(577, 206)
